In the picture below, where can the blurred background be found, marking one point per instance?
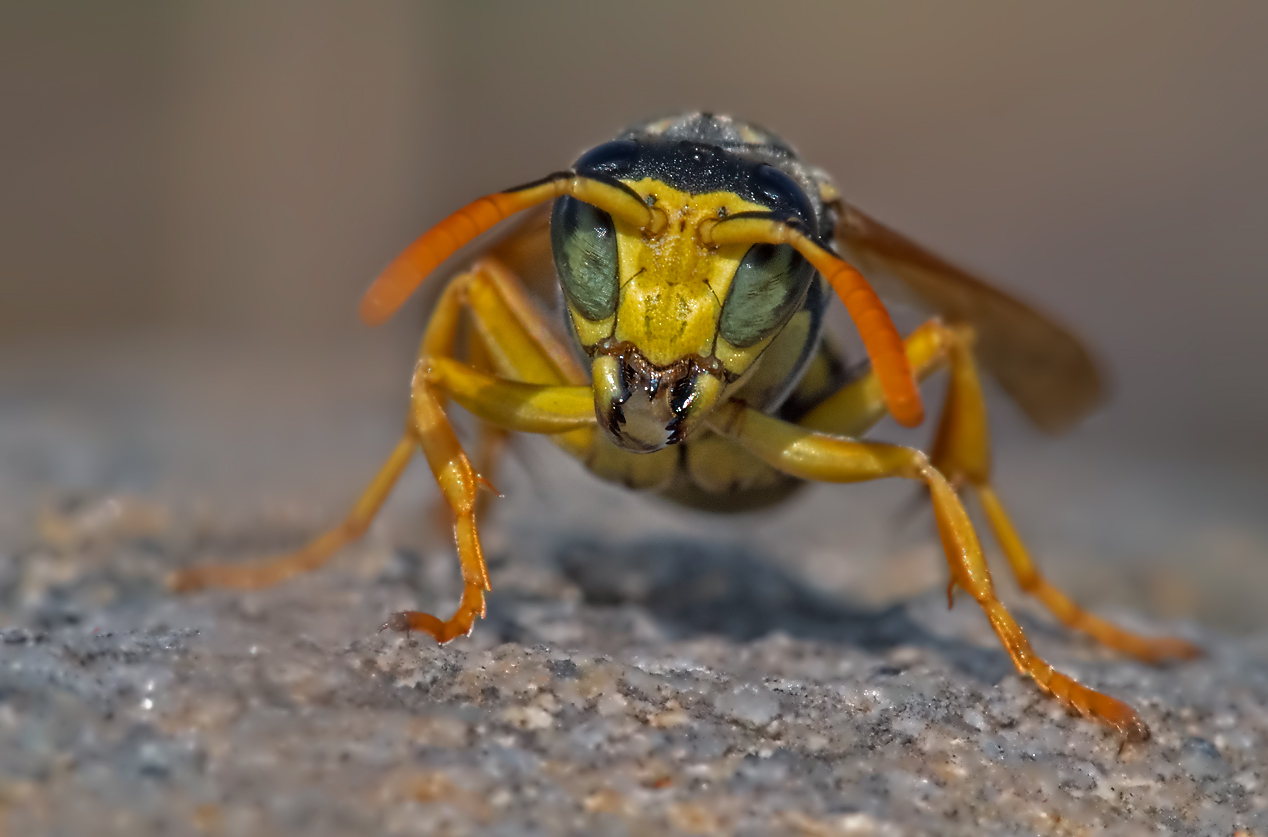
(195, 194)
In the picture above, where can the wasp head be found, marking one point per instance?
(670, 323)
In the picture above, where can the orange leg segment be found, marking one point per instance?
(1149, 649)
(316, 553)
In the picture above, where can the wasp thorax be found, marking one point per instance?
(644, 407)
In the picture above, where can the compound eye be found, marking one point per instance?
(783, 194)
(612, 158)
(584, 243)
(768, 286)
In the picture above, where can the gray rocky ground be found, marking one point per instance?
(641, 670)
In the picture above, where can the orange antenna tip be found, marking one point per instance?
(400, 278)
(407, 271)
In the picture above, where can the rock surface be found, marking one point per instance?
(640, 671)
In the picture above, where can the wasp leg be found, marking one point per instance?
(490, 444)
(313, 555)
(440, 334)
(962, 452)
(518, 344)
(816, 456)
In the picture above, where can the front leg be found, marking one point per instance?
(515, 341)
(819, 457)
(510, 405)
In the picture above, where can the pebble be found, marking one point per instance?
(749, 704)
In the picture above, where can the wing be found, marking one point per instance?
(1047, 370)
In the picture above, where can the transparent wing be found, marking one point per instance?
(1048, 371)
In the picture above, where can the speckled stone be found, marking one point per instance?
(639, 673)
(214, 715)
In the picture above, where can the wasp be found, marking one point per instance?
(696, 256)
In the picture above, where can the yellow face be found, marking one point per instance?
(672, 286)
(648, 310)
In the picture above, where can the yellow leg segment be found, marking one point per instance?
(856, 407)
(520, 346)
(515, 406)
(962, 452)
(528, 350)
(816, 456)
